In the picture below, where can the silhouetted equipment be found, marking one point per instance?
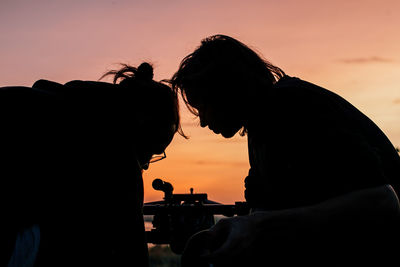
(179, 216)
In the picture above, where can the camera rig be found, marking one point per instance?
(179, 216)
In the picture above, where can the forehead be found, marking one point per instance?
(213, 95)
(194, 96)
(200, 94)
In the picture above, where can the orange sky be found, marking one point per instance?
(351, 47)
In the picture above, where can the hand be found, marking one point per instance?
(307, 234)
(248, 240)
(230, 241)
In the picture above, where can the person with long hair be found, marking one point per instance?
(323, 178)
(72, 157)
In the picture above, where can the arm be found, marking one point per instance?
(379, 203)
(291, 231)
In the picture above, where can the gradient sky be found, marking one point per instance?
(350, 47)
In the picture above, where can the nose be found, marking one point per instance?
(203, 122)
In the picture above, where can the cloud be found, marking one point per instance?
(366, 60)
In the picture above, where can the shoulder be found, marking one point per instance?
(89, 84)
(46, 84)
(90, 87)
(75, 87)
(14, 92)
(295, 89)
(297, 97)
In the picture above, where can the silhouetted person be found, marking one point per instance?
(72, 159)
(322, 173)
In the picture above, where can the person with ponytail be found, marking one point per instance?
(73, 156)
(323, 177)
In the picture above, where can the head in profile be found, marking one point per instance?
(221, 80)
(153, 109)
(135, 109)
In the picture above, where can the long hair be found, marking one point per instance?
(222, 66)
(156, 99)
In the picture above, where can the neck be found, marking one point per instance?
(257, 103)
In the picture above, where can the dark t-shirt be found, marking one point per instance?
(80, 183)
(309, 144)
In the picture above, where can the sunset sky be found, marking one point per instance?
(351, 47)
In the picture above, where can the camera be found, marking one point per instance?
(178, 216)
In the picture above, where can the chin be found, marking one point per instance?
(228, 134)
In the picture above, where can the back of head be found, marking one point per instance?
(222, 66)
(154, 104)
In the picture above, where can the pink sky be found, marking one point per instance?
(350, 47)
